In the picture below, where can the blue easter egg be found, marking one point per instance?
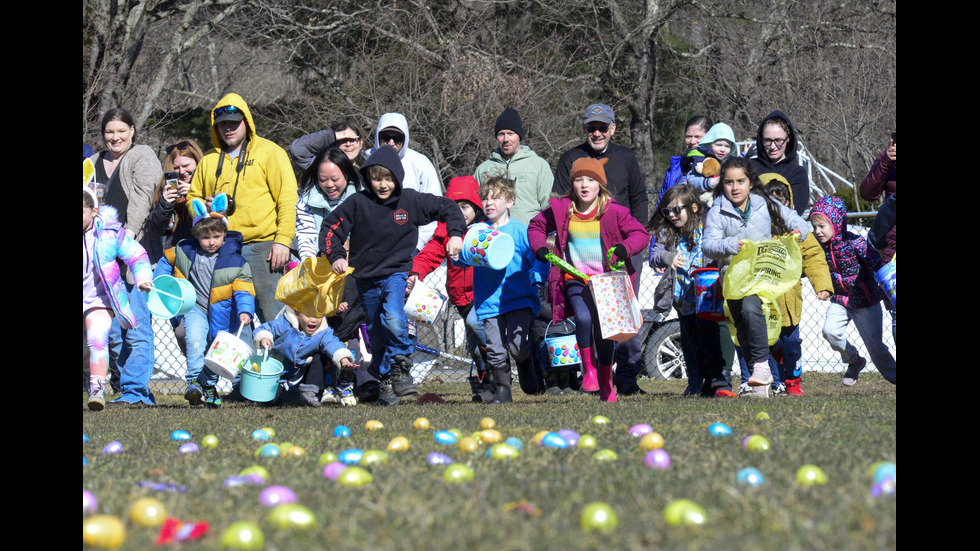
(552, 440)
(445, 437)
(514, 441)
(350, 457)
(719, 429)
(341, 431)
(84, 439)
(180, 436)
(269, 450)
(885, 470)
(259, 434)
(750, 476)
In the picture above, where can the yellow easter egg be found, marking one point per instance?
(398, 444)
(421, 423)
(491, 436)
(467, 444)
(487, 423)
(104, 531)
(373, 425)
(147, 512)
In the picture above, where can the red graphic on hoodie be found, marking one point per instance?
(401, 216)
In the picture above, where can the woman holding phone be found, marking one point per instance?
(170, 221)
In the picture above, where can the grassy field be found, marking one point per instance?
(409, 506)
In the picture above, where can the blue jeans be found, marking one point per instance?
(263, 279)
(383, 299)
(196, 338)
(132, 352)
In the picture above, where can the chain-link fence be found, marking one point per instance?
(441, 355)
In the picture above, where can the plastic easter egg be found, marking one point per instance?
(719, 429)
(84, 461)
(255, 470)
(750, 476)
(269, 431)
(421, 423)
(491, 436)
(285, 447)
(640, 429)
(883, 471)
(457, 473)
(651, 441)
(657, 459)
(569, 436)
(874, 467)
(502, 451)
(372, 458)
(209, 441)
(762, 416)
(598, 517)
(291, 516)
(600, 420)
(294, 451)
(538, 436)
(467, 444)
(458, 433)
(112, 447)
(487, 423)
(436, 458)
(587, 441)
(373, 425)
(757, 443)
(355, 477)
(684, 511)
(180, 436)
(188, 447)
(808, 475)
(268, 450)
(89, 503)
(275, 495)
(333, 470)
(350, 456)
(341, 431)
(515, 442)
(552, 440)
(243, 535)
(398, 444)
(147, 512)
(885, 487)
(326, 458)
(260, 435)
(84, 439)
(105, 531)
(445, 437)
(605, 455)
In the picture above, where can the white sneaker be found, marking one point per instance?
(761, 375)
(779, 389)
(753, 391)
(329, 396)
(853, 369)
(745, 390)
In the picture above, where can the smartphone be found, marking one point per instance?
(893, 138)
(170, 178)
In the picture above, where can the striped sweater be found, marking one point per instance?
(584, 244)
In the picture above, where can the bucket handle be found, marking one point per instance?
(157, 289)
(549, 326)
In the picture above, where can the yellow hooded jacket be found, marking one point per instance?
(265, 201)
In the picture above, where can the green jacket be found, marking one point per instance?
(532, 178)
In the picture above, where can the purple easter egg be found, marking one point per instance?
(569, 436)
(188, 447)
(333, 470)
(274, 495)
(745, 441)
(436, 458)
(113, 447)
(640, 429)
(657, 459)
(89, 503)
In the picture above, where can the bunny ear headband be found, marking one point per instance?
(91, 192)
(218, 207)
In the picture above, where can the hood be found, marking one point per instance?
(237, 101)
(388, 158)
(233, 243)
(293, 318)
(720, 131)
(107, 216)
(315, 197)
(790, 146)
(465, 188)
(768, 177)
(388, 120)
(834, 209)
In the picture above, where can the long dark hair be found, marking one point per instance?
(755, 186)
(688, 196)
(311, 176)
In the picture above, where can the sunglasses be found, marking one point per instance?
(601, 128)
(228, 109)
(386, 137)
(348, 141)
(676, 211)
(180, 146)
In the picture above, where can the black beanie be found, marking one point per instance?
(509, 120)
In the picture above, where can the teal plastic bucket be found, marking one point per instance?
(170, 297)
(261, 385)
(562, 350)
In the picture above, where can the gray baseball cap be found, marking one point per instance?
(599, 112)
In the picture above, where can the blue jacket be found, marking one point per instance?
(296, 347)
(232, 292)
(497, 292)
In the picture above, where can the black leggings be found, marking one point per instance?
(587, 331)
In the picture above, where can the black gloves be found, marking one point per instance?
(619, 254)
(540, 254)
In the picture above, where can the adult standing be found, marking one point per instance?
(516, 161)
(626, 184)
(344, 135)
(170, 221)
(420, 173)
(350, 139)
(128, 173)
(882, 181)
(775, 152)
(258, 178)
(325, 183)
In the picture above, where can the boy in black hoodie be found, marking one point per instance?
(382, 222)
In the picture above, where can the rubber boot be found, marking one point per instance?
(607, 392)
(589, 381)
(501, 394)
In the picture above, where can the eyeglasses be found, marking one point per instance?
(179, 146)
(347, 141)
(676, 211)
(591, 129)
(386, 137)
(778, 142)
(228, 109)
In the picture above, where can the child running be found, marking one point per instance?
(678, 224)
(104, 292)
(588, 222)
(743, 211)
(853, 263)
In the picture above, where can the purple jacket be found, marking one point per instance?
(851, 259)
(617, 226)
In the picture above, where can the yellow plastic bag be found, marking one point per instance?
(766, 269)
(313, 288)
